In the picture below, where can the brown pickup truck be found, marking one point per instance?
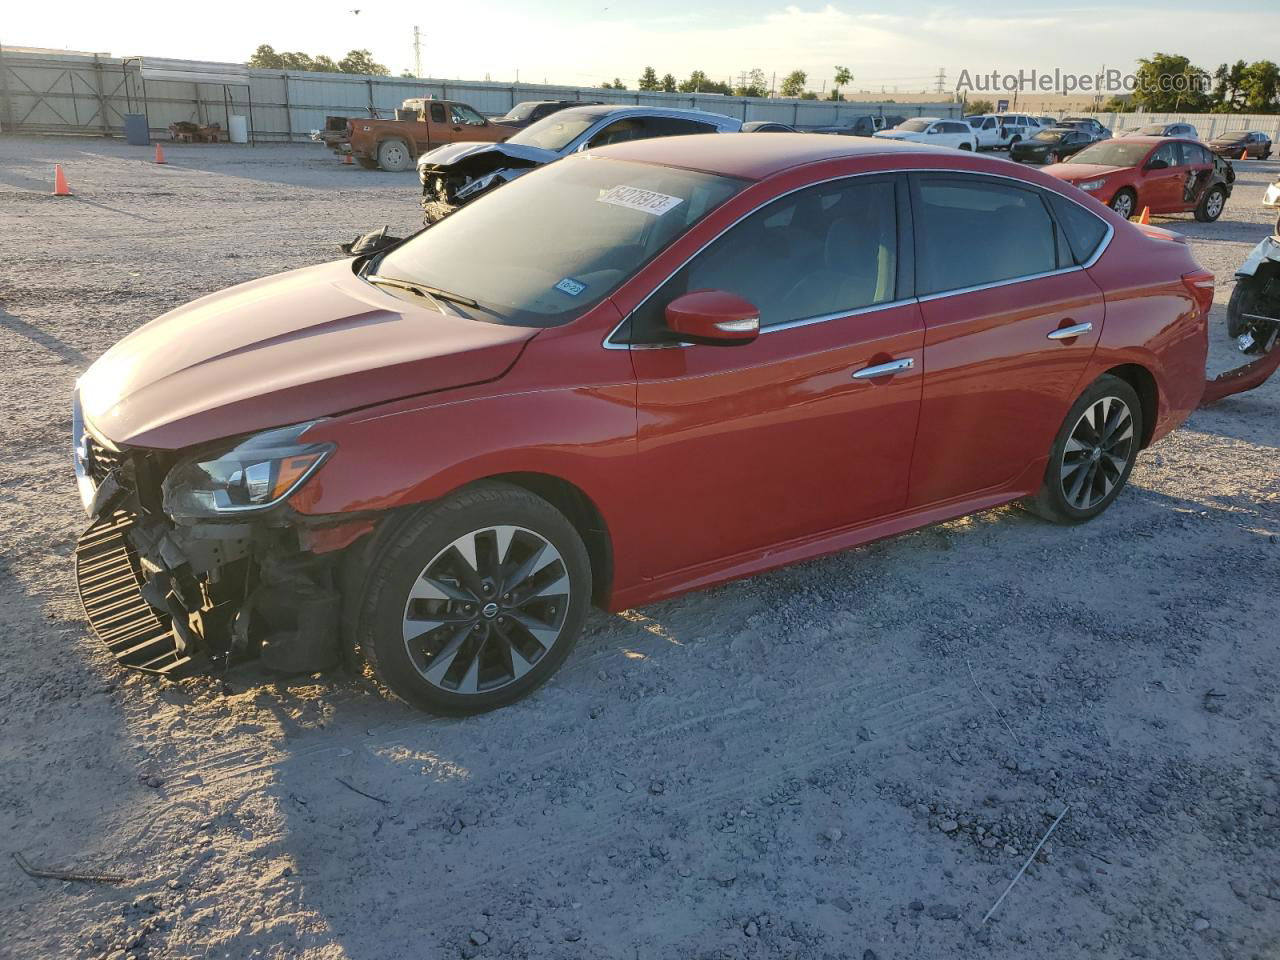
(395, 144)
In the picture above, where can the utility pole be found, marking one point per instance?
(942, 78)
(417, 52)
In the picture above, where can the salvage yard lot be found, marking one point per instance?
(801, 765)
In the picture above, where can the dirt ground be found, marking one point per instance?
(847, 758)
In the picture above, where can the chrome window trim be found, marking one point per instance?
(1103, 244)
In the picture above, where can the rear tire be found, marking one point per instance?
(1125, 203)
(1211, 205)
(1243, 300)
(394, 156)
(475, 601)
(1092, 455)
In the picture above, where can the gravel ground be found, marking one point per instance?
(847, 758)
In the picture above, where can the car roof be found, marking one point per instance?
(754, 158)
(624, 110)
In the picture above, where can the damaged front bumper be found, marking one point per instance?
(176, 599)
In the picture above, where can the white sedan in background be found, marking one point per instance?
(935, 130)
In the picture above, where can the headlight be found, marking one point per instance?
(256, 474)
(1091, 184)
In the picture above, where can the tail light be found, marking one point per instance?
(1200, 285)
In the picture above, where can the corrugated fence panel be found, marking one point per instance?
(48, 93)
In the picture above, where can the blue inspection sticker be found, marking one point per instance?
(571, 286)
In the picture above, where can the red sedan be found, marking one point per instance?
(1167, 175)
(643, 370)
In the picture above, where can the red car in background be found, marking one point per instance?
(1164, 174)
(645, 369)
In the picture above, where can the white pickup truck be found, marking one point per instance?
(1000, 131)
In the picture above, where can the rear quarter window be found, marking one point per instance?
(1084, 231)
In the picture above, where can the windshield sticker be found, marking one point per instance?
(636, 198)
(571, 286)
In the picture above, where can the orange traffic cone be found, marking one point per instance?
(346, 158)
(60, 188)
(1146, 215)
(1244, 154)
(159, 154)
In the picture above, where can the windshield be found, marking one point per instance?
(549, 246)
(556, 131)
(521, 111)
(915, 126)
(1113, 153)
(1050, 136)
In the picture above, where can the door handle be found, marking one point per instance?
(1067, 333)
(884, 369)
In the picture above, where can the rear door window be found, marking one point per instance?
(437, 113)
(823, 251)
(971, 231)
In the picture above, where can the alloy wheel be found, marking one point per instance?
(486, 609)
(1051, 158)
(1214, 203)
(1097, 452)
(1123, 205)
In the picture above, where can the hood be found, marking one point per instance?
(497, 154)
(1075, 172)
(1228, 139)
(280, 350)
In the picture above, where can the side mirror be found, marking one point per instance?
(713, 318)
(1158, 165)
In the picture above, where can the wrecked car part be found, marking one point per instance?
(367, 244)
(177, 596)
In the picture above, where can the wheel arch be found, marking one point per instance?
(1144, 385)
(582, 512)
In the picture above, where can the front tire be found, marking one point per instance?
(394, 156)
(1210, 208)
(1092, 455)
(475, 601)
(1125, 202)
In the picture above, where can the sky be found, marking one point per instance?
(887, 46)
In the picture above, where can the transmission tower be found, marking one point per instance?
(417, 52)
(941, 80)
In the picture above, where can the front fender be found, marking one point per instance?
(567, 410)
(1266, 250)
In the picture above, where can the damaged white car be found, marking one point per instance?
(456, 173)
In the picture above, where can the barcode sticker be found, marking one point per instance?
(636, 198)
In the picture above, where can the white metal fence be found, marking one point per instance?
(1208, 125)
(70, 93)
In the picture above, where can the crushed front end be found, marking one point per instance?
(178, 594)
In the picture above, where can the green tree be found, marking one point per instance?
(361, 61)
(979, 106)
(297, 60)
(325, 64)
(669, 83)
(808, 95)
(1261, 87)
(696, 83)
(843, 77)
(649, 79)
(1168, 83)
(1117, 105)
(618, 84)
(266, 58)
(752, 84)
(699, 82)
(1228, 86)
(793, 83)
